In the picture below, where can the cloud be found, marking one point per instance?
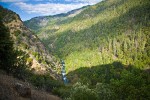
(85, 1)
(48, 8)
(18, 0)
(13, 0)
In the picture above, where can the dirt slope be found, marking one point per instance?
(9, 92)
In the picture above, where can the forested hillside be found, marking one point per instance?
(106, 48)
(24, 56)
(37, 56)
(36, 24)
(101, 34)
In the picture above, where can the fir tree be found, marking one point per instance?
(6, 48)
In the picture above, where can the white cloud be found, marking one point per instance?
(13, 0)
(48, 8)
(18, 0)
(85, 1)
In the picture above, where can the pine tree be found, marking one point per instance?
(6, 48)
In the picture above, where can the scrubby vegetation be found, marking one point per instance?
(17, 61)
(14, 62)
(25, 41)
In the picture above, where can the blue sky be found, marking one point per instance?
(28, 9)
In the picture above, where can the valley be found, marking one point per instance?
(103, 50)
(101, 34)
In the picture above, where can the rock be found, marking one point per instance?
(23, 90)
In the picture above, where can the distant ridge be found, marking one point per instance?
(38, 22)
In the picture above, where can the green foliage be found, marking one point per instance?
(30, 61)
(104, 91)
(131, 85)
(12, 61)
(92, 43)
(38, 57)
(14, 57)
(63, 91)
(103, 33)
(10, 15)
(20, 69)
(35, 54)
(18, 32)
(24, 45)
(6, 49)
(82, 92)
(44, 81)
(112, 81)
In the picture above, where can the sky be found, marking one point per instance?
(28, 9)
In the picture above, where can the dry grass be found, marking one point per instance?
(8, 92)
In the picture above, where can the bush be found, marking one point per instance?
(18, 32)
(63, 91)
(24, 45)
(30, 60)
(82, 92)
(44, 82)
(35, 54)
(104, 91)
(19, 69)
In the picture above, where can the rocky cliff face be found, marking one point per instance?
(39, 59)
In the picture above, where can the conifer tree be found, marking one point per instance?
(6, 48)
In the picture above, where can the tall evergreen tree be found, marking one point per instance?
(6, 48)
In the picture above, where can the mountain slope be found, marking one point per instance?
(38, 58)
(9, 83)
(112, 30)
(35, 24)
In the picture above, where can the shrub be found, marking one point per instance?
(17, 32)
(82, 92)
(29, 60)
(63, 91)
(104, 91)
(44, 81)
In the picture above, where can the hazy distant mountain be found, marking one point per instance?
(36, 23)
